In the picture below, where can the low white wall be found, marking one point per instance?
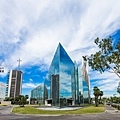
(6, 102)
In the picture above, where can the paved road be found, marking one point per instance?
(110, 114)
(5, 110)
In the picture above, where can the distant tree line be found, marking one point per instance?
(18, 100)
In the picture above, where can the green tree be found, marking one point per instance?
(22, 100)
(26, 96)
(115, 99)
(107, 58)
(96, 94)
(7, 99)
(10, 99)
(100, 94)
(16, 100)
(118, 88)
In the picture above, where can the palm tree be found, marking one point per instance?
(96, 94)
(22, 100)
(100, 94)
(16, 100)
(7, 99)
(26, 96)
(118, 89)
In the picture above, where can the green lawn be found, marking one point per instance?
(32, 110)
(2, 105)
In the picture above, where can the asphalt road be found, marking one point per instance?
(110, 114)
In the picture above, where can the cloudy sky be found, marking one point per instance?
(31, 30)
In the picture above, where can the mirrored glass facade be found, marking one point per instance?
(59, 76)
(65, 83)
(39, 95)
(80, 86)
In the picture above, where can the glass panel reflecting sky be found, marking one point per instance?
(71, 83)
(61, 65)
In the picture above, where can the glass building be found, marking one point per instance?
(80, 86)
(59, 77)
(66, 83)
(39, 95)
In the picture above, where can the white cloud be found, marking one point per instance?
(32, 29)
(107, 82)
(36, 27)
(31, 80)
(30, 85)
(2, 85)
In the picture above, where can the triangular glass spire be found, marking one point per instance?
(60, 55)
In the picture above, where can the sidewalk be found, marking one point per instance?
(57, 108)
(5, 110)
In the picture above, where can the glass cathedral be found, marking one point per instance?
(66, 83)
(39, 95)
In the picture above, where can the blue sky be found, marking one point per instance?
(31, 30)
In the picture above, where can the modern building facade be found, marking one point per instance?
(14, 83)
(59, 77)
(55, 89)
(66, 83)
(80, 85)
(2, 91)
(86, 79)
(39, 95)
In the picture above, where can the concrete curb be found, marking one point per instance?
(11, 109)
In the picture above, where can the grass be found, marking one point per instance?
(2, 105)
(32, 110)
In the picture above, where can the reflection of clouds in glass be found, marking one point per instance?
(64, 67)
(46, 77)
(65, 77)
(65, 83)
(48, 87)
(65, 88)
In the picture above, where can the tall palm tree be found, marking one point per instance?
(96, 94)
(26, 96)
(101, 94)
(118, 89)
(22, 100)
